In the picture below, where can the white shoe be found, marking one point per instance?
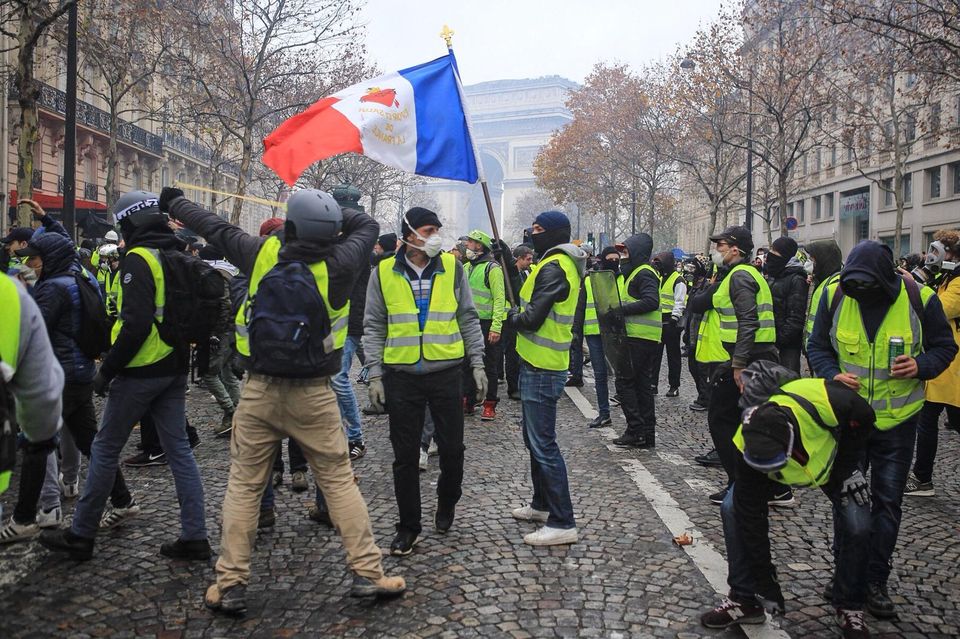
(433, 450)
(69, 491)
(14, 532)
(423, 459)
(548, 536)
(116, 516)
(526, 513)
(50, 518)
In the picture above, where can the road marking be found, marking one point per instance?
(704, 556)
(580, 401)
(673, 458)
(702, 486)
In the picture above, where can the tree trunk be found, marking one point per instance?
(651, 206)
(898, 197)
(29, 90)
(245, 161)
(113, 158)
(714, 206)
(782, 201)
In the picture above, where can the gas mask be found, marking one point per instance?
(934, 264)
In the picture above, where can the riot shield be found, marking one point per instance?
(613, 332)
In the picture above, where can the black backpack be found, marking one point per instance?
(196, 305)
(95, 325)
(288, 323)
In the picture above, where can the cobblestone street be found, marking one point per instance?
(625, 578)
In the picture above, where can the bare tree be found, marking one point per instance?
(25, 22)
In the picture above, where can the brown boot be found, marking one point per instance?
(383, 587)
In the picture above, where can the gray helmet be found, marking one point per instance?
(314, 215)
(136, 207)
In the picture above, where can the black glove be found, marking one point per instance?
(167, 195)
(101, 384)
(513, 315)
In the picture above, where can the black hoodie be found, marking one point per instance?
(645, 287)
(875, 260)
(827, 259)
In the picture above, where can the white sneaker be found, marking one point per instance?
(423, 459)
(433, 450)
(71, 490)
(548, 536)
(14, 532)
(116, 516)
(50, 518)
(526, 513)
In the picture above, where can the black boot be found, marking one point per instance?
(878, 602)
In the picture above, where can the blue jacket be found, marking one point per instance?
(875, 259)
(57, 295)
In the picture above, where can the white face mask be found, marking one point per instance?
(431, 245)
(471, 254)
(716, 257)
(808, 267)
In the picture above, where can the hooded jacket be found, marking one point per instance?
(551, 286)
(58, 297)
(789, 289)
(827, 259)
(645, 287)
(345, 257)
(875, 260)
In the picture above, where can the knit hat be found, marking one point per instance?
(785, 246)
(767, 434)
(418, 217)
(271, 225)
(552, 220)
(609, 250)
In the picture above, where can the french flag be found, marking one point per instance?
(412, 119)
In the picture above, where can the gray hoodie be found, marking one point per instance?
(37, 384)
(375, 325)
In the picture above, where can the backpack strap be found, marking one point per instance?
(808, 406)
(913, 292)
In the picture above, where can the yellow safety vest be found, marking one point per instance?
(819, 443)
(548, 347)
(439, 339)
(667, 300)
(9, 346)
(646, 325)
(828, 285)
(477, 275)
(720, 326)
(267, 258)
(591, 326)
(893, 400)
(153, 348)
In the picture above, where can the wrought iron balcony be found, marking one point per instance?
(91, 191)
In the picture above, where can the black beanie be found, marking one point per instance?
(785, 246)
(388, 242)
(417, 217)
(766, 433)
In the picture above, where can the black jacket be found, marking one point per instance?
(551, 287)
(358, 301)
(789, 291)
(743, 294)
(345, 258)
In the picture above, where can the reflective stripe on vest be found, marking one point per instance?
(646, 325)
(719, 325)
(591, 326)
(153, 348)
(893, 400)
(548, 347)
(267, 258)
(829, 285)
(820, 444)
(440, 338)
(482, 295)
(667, 299)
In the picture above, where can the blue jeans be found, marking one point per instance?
(539, 391)
(129, 400)
(346, 399)
(889, 454)
(599, 364)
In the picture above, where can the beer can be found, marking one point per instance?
(896, 349)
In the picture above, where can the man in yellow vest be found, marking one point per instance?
(32, 374)
(824, 261)
(108, 275)
(144, 376)
(737, 329)
(640, 310)
(291, 329)
(798, 432)
(522, 260)
(882, 336)
(419, 326)
(673, 302)
(489, 297)
(544, 323)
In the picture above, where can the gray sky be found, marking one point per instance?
(502, 39)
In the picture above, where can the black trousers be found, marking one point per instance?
(698, 372)
(636, 391)
(790, 358)
(33, 471)
(408, 397)
(511, 360)
(298, 463)
(670, 342)
(724, 418)
(151, 440)
(491, 353)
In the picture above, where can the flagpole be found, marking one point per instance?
(447, 35)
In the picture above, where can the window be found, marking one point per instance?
(803, 164)
(863, 228)
(816, 208)
(933, 179)
(904, 242)
(935, 117)
(908, 188)
(851, 154)
(816, 160)
(910, 127)
(798, 211)
(833, 155)
(887, 187)
(911, 80)
(828, 206)
(955, 171)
